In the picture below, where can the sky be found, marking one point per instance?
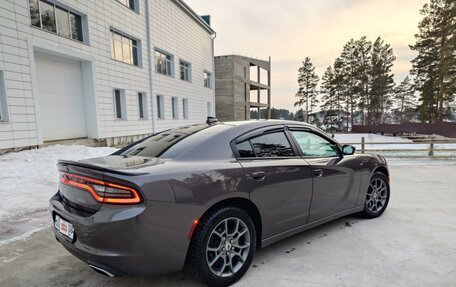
(290, 30)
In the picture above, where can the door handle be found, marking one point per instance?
(259, 175)
(318, 172)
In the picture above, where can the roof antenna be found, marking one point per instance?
(211, 120)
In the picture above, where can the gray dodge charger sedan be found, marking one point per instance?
(206, 196)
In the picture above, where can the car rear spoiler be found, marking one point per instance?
(65, 163)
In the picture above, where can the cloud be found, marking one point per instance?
(288, 31)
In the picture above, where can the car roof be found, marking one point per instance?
(264, 123)
(218, 136)
(204, 141)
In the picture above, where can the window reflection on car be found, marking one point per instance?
(267, 145)
(313, 145)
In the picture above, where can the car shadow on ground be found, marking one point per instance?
(263, 256)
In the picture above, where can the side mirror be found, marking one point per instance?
(348, 149)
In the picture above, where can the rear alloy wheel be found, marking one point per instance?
(222, 247)
(228, 247)
(377, 196)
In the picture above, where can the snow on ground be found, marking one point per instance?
(403, 144)
(356, 138)
(412, 244)
(28, 180)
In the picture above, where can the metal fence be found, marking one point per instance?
(423, 149)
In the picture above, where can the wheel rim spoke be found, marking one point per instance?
(226, 228)
(240, 234)
(230, 260)
(218, 234)
(213, 249)
(241, 246)
(236, 229)
(223, 267)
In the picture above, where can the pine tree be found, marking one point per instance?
(328, 90)
(308, 81)
(360, 81)
(347, 62)
(342, 87)
(405, 101)
(330, 98)
(299, 115)
(434, 67)
(363, 55)
(381, 80)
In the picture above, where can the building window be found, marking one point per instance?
(142, 105)
(76, 27)
(47, 13)
(35, 13)
(61, 17)
(132, 4)
(124, 48)
(51, 17)
(185, 71)
(119, 104)
(3, 105)
(209, 109)
(185, 108)
(160, 108)
(174, 107)
(163, 63)
(207, 79)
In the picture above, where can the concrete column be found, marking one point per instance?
(258, 74)
(269, 89)
(258, 92)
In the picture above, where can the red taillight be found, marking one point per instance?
(102, 191)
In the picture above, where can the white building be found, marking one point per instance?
(105, 69)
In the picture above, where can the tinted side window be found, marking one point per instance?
(313, 145)
(272, 145)
(245, 149)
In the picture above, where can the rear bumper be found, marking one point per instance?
(147, 239)
(87, 258)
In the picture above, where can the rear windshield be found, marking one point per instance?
(171, 143)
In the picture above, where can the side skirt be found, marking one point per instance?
(299, 229)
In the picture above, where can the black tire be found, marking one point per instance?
(368, 211)
(198, 255)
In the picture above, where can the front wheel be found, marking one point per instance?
(222, 247)
(377, 196)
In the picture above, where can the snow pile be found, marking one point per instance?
(28, 180)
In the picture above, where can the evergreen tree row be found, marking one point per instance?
(359, 87)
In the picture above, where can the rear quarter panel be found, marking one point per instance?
(175, 194)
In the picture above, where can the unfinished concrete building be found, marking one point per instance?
(242, 84)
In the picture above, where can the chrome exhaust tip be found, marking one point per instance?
(102, 271)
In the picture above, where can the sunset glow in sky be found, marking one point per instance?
(290, 30)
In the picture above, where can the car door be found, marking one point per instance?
(335, 182)
(279, 181)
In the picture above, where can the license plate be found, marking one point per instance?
(64, 227)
